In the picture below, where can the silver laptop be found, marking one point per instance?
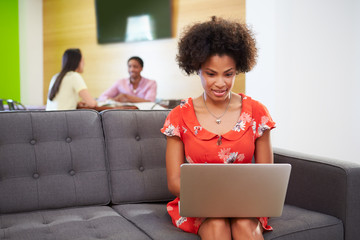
(233, 190)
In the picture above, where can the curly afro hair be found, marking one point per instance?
(216, 37)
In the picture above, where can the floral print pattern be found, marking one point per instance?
(172, 131)
(197, 129)
(230, 157)
(184, 129)
(184, 103)
(240, 125)
(263, 126)
(188, 159)
(254, 126)
(181, 221)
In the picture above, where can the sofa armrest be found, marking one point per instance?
(324, 185)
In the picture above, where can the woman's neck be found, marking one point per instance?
(216, 104)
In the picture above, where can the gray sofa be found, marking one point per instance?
(88, 175)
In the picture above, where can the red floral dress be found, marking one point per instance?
(236, 146)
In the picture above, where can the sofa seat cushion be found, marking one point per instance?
(299, 224)
(154, 220)
(295, 223)
(97, 222)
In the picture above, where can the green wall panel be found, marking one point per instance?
(9, 49)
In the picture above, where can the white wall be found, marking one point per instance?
(308, 73)
(31, 52)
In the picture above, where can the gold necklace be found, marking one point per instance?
(217, 119)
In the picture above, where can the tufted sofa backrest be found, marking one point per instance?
(51, 160)
(136, 155)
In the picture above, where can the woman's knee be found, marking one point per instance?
(215, 226)
(249, 227)
(219, 223)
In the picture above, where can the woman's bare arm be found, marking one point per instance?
(174, 158)
(87, 98)
(263, 149)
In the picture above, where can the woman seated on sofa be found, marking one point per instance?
(135, 88)
(68, 86)
(219, 126)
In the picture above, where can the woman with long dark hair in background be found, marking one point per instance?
(68, 87)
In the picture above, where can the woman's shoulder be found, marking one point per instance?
(177, 117)
(258, 111)
(74, 79)
(185, 106)
(73, 74)
(255, 104)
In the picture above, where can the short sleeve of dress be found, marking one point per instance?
(262, 119)
(173, 123)
(78, 82)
